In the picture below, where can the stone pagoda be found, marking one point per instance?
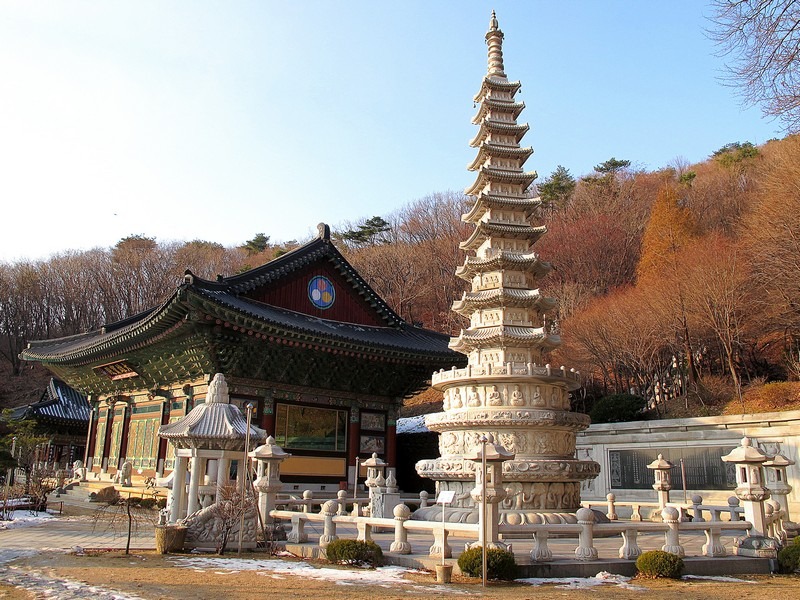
(507, 389)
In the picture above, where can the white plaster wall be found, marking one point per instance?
(771, 430)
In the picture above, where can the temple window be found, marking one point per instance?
(311, 428)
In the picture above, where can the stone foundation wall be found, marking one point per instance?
(772, 432)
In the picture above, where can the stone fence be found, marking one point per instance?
(332, 514)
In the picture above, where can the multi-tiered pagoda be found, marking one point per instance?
(507, 389)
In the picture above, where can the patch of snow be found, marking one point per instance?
(718, 578)
(25, 518)
(582, 583)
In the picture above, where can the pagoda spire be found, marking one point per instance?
(494, 39)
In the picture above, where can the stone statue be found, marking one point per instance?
(456, 400)
(78, 470)
(123, 476)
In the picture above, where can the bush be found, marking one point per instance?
(657, 563)
(353, 552)
(617, 408)
(500, 564)
(789, 557)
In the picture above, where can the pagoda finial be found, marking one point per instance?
(217, 390)
(494, 38)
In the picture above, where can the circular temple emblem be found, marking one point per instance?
(321, 292)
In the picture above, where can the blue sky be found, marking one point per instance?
(217, 120)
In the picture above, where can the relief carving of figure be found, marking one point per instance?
(446, 401)
(517, 399)
(494, 397)
(537, 397)
(555, 398)
(455, 401)
(555, 494)
(473, 400)
(539, 495)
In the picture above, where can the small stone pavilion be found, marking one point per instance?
(207, 441)
(507, 390)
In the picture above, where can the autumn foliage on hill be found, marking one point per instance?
(678, 284)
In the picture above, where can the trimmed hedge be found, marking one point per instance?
(657, 563)
(354, 553)
(500, 564)
(789, 557)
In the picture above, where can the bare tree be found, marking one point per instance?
(761, 39)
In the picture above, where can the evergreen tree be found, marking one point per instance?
(257, 245)
(556, 190)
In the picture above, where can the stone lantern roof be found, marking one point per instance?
(494, 452)
(745, 453)
(660, 463)
(214, 425)
(779, 460)
(268, 450)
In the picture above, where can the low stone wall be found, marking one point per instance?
(620, 449)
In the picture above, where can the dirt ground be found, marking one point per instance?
(153, 576)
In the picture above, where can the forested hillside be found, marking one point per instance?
(679, 284)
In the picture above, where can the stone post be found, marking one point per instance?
(750, 488)
(585, 549)
(672, 543)
(178, 489)
(630, 549)
(329, 510)
(663, 482)
(541, 551)
(488, 491)
(612, 513)
(400, 544)
(195, 476)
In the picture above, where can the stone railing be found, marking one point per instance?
(347, 504)
(693, 511)
(585, 530)
(529, 370)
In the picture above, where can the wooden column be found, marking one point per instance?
(127, 415)
(391, 443)
(354, 436)
(266, 407)
(107, 438)
(161, 457)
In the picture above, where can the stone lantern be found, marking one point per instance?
(269, 457)
(489, 490)
(750, 483)
(383, 493)
(663, 481)
(780, 488)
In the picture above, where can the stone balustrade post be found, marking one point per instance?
(773, 507)
(423, 499)
(671, 517)
(308, 495)
(541, 551)
(697, 509)
(636, 515)
(329, 510)
(733, 504)
(440, 537)
(630, 549)
(298, 533)
(364, 532)
(585, 549)
(341, 496)
(401, 544)
(612, 513)
(714, 547)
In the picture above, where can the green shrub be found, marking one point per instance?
(657, 563)
(148, 503)
(353, 552)
(500, 564)
(617, 408)
(789, 557)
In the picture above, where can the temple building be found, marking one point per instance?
(323, 360)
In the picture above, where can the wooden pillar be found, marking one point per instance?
(127, 415)
(163, 445)
(391, 443)
(354, 436)
(91, 434)
(266, 407)
(107, 438)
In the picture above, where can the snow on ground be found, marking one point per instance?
(25, 518)
(278, 569)
(578, 583)
(718, 578)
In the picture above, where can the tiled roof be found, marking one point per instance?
(59, 404)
